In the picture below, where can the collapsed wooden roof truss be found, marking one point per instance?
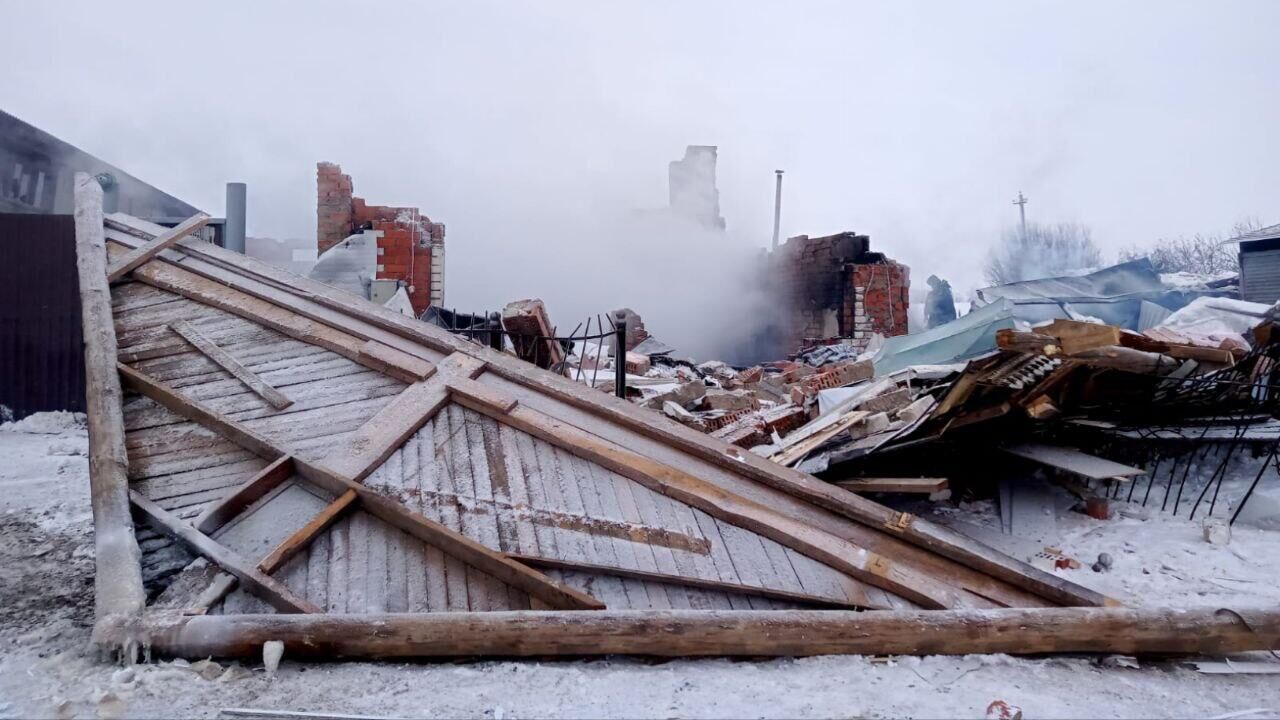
(328, 457)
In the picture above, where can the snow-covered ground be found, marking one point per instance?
(46, 608)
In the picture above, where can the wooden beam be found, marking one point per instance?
(554, 594)
(124, 265)
(375, 440)
(700, 633)
(838, 553)
(299, 540)
(713, 585)
(118, 577)
(454, 543)
(254, 489)
(192, 410)
(224, 360)
(271, 591)
(923, 486)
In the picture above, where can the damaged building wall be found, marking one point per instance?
(692, 187)
(410, 245)
(836, 287)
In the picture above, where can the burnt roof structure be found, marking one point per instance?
(272, 458)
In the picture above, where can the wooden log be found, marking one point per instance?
(922, 486)
(254, 489)
(255, 581)
(713, 585)
(231, 365)
(1027, 342)
(700, 633)
(125, 264)
(118, 577)
(299, 540)
(1075, 336)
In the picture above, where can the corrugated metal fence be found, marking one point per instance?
(41, 355)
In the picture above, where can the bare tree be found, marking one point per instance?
(1044, 251)
(1199, 254)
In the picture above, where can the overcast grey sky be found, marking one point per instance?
(514, 123)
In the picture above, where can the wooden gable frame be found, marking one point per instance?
(960, 584)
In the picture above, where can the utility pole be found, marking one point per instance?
(1021, 202)
(777, 208)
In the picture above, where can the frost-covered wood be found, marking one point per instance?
(118, 580)
(685, 633)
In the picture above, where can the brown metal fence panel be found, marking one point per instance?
(41, 355)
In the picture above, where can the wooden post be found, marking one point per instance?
(690, 633)
(118, 577)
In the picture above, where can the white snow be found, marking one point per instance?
(46, 606)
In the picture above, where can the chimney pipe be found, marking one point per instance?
(777, 209)
(233, 229)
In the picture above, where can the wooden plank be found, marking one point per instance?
(1072, 460)
(126, 264)
(300, 539)
(394, 513)
(231, 365)
(838, 553)
(924, 486)
(375, 440)
(684, 580)
(118, 584)
(689, 633)
(196, 588)
(253, 580)
(454, 543)
(281, 319)
(254, 489)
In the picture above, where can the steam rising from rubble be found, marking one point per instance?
(697, 289)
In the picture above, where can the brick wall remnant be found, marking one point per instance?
(410, 246)
(836, 289)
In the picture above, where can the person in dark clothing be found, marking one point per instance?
(939, 306)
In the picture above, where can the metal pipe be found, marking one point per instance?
(620, 354)
(777, 208)
(233, 229)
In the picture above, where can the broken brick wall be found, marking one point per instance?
(836, 287)
(410, 246)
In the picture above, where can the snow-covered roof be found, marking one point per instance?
(1270, 232)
